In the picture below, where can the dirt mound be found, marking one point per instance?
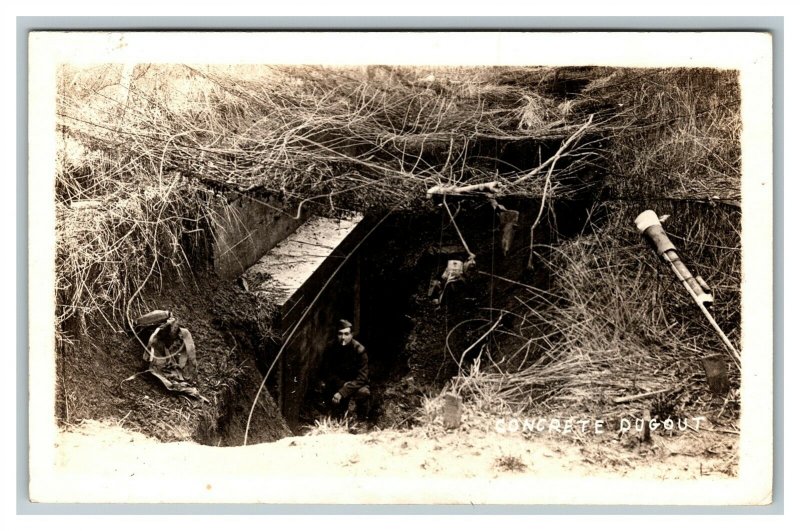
(102, 376)
(385, 466)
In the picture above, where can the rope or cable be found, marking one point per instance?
(491, 279)
(300, 320)
(155, 251)
(436, 272)
(552, 161)
(453, 219)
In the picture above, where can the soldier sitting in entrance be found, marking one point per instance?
(345, 373)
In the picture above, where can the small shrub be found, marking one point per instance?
(328, 425)
(510, 463)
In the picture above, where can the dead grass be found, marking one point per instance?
(143, 151)
(613, 321)
(108, 248)
(510, 463)
(328, 425)
(671, 133)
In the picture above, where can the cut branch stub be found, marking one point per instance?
(442, 189)
(508, 221)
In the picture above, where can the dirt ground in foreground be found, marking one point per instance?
(105, 463)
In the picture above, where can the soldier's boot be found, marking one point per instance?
(363, 400)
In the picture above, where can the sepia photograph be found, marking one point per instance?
(401, 268)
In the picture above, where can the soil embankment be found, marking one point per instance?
(103, 377)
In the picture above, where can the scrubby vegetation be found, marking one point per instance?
(151, 145)
(613, 320)
(149, 157)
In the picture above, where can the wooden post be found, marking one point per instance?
(716, 374)
(451, 414)
(125, 81)
(508, 221)
(644, 435)
(357, 296)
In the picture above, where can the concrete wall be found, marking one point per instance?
(303, 354)
(246, 229)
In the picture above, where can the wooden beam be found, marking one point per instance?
(631, 398)
(441, 189)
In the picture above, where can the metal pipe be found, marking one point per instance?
(650, 226)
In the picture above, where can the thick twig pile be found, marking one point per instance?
(321, 138)
(614, 321)
(319, 133)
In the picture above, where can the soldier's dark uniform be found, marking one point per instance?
(345, 370)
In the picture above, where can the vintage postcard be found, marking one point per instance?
(401, 268)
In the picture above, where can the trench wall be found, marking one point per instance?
(246, 228)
